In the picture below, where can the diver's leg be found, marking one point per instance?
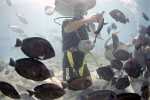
(86, 72)
(64, 66)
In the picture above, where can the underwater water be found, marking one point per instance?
(38, 24)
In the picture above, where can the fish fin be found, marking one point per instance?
(18, 43)
(64, 84)
(105, 23)
(30, 92)
(12, 62)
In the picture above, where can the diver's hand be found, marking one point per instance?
(89, 46)
(94, 18)
(85, 46)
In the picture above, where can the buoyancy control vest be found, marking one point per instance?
(72, 39)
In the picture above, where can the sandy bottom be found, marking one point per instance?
(21, 84)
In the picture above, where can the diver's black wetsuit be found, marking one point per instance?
(71, 40)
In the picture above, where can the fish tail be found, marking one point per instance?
(30, 92)
(12, 62)
(64, 84)
(105, 23)
(18, 43)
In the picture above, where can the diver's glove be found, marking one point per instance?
(85, 46)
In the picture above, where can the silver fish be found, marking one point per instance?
(22, 18)
(8, 2)
(16, 29)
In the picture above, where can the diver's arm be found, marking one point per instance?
(73, 26)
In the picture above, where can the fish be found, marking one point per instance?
(99, 95)
(148, 30)
(142, 29)
(148, 63)
(36, 47)
(7, 72)
(117, 64)
(113, 81)
(105, 72)
(143, 39)
(118, 16)
(49, 10)
(140, 40)
(145, 16)
(116, 42)
(16, 29)
(147, 56)
(137, 44)
(22, 18)
(128, 96)
(30, 68)
(122, 55)
(47, 91)
(140, 57)
(8, 90)
(145, 90)
(8, 2)
(113, 26)
(64, 84)
(79, 83)
(122, 82)
(133, 68)
(109, 30)
(147, 74)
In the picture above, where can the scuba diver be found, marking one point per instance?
(76, 43)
